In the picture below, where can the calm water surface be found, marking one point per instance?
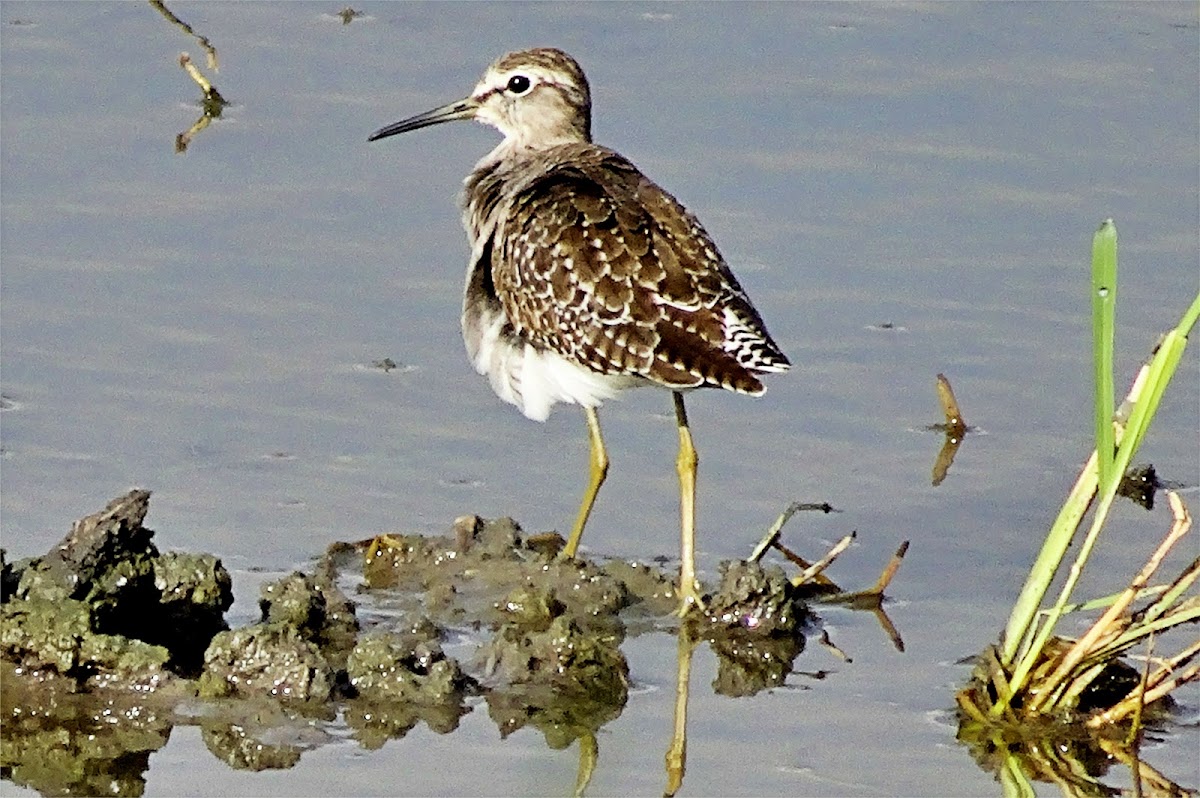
(903, 190)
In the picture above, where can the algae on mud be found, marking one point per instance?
(106, 644)
(103, 607)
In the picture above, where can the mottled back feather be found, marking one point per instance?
(593, 261)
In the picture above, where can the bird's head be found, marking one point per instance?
(536, 98)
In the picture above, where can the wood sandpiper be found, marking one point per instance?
(586, 278)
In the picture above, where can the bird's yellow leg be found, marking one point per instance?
(597, 471)
(677, 752)
(685, 464)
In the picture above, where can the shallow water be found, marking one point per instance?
(203, 324)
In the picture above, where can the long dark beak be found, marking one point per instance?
(461, 109)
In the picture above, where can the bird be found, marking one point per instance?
(586, 278)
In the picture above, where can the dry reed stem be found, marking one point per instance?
(889, 570)
(1135, 726)
(1168, 601)
(955, 423)
(773, 534)
(1146, 775)
(1130, 703)
(1112, 624)
(823, 563)
(827, 641)
(185, 61)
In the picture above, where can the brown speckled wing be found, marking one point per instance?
(605, 268)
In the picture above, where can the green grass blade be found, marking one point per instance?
(1104, 303)
(1159, 372)
(1162, 368)
(1100, 467)
(1054, 548)
(1189, 319)
(1104, 602)
(1023, 636)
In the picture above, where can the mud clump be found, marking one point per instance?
(552, 673)
(754, 623)
(542, 644)
(195, 591)
(298, 651)
(97, 640)
(653, 593)
(265, 658)
(754, 599)
(318, 611)
(400, 679)
(554, 660)
(470, 576)
(385, 666)
(105, 643)
(105, 608)
(465, 577)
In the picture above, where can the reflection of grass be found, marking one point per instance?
(1033, 677)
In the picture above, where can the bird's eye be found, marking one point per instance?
(518, 84)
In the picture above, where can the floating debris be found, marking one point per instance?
(955, 428)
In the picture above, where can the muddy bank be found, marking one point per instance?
(107, 643)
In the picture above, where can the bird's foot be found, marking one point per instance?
(690, 600)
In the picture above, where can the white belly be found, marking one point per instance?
(533, 380)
